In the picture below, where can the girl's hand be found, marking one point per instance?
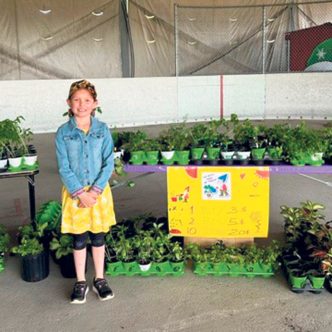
(86, 200)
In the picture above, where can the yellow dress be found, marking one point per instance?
(97, 219)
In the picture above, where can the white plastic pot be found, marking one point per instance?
(317, 156)
(3, 163)
(117, 154)
(242, 155)
(227, 155)
(145, 267)
(15, 162)
(30, 160)
(167, 154)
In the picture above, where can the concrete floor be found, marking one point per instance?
(187, 303)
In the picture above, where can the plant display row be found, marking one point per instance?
(143, 247)
(307, 260)
(227, 141)
(247, 261)
(15, 152)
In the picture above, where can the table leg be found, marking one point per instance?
(32, 200)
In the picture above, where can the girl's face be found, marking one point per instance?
(82, 103)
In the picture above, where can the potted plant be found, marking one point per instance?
(258, 145)
(34, 259)
(277, 137)
(180, 135)
(176, 256)
(212, 140)
(305, 146)
(143, 243)
(151, 147)
(197, 145)
(4, 242)
(243, 132)
(15, 142)
(62, 245)
(167, 148)
(136, 147)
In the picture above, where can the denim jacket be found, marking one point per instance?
(84, 159)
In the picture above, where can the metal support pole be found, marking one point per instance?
(32, 198)
(264, 40)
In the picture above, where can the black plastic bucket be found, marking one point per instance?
(35, 267)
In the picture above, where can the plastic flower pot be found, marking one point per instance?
(236, 269)
(35, 267)
(162, 266)
(258, 154)
(15, 163)
(220, 268)
(144, 267)
(167, 157)
(152, 157)
(177, 267)
(297, 280)
(227, 157)
(316, 159)
(317, 281)
(67, 266)
(2, 262)
(182, 157)
(202, 268)
(299, 159)
(114, 267)
(3, 164)
(137, 157)
(213, 153)
(30, 160)
(117, 154)
(197, 153)
(129, 267)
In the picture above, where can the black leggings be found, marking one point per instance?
(80, 240)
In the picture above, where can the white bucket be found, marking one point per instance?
(242, 155)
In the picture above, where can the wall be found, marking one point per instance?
(141, 101)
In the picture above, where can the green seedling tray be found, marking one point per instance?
(23, 167)
(133, 269)
(233, 270)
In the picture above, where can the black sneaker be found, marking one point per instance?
(80, 290)
(101, 288)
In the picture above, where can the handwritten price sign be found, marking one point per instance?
(223, 202)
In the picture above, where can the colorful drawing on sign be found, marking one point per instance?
(216, 186)
(192, 172)
(182, 197)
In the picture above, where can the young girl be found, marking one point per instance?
(84, 150)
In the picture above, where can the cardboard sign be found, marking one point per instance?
(218, 202)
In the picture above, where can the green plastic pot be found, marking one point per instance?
(152, 157)
(297, 282)
(258, 154)
(220, 268)
(317, 281)
(315, 159)
(129, 267)
(213, 153)
(114, 267)
(137, 157)
(274, 153)
(236, 269)
(162, 266)
(202, 268)
(197, 153)
(182, 157)
(177, 267)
